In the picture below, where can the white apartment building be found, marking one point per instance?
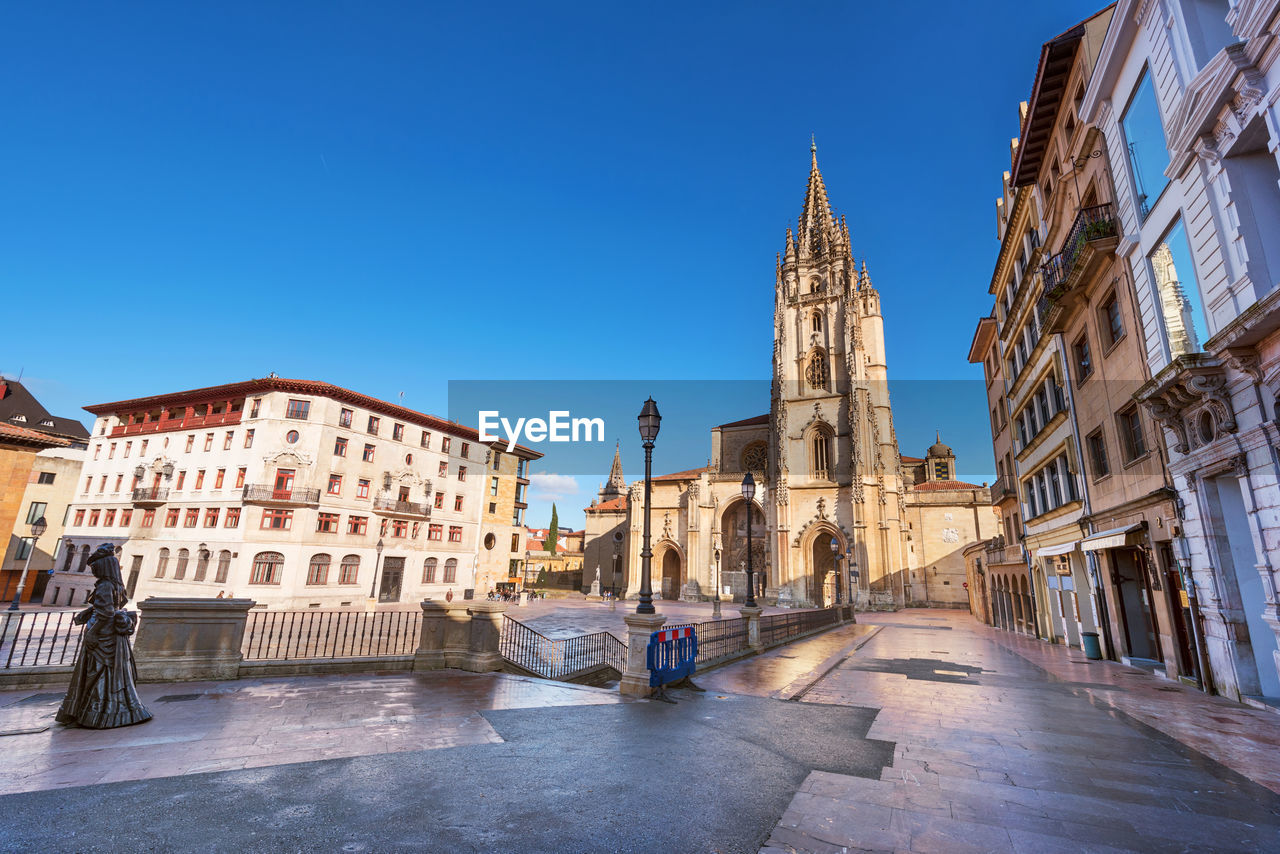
(1185, 93)
(293, 493)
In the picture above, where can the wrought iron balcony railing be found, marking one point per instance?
(150, 496)
(260, 493)
(401, 508)
(1091, 224)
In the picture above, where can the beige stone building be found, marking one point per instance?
(825, 459)
(559, 568)
(502, 532)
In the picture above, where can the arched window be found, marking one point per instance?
(820, 452)
(162, 564)
(429, 571)
(267, 568)
(350, 569)
(816, 371)
(84, 558)
(451, 570)
(318, 571)
(224, 566)
(815, 323)
(180, 569)
(202, 565)
(71, 555)
(755, 457)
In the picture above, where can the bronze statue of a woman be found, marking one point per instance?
(102, 693)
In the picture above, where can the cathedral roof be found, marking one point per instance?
(691, 474)
(614, 504)
(747, 422)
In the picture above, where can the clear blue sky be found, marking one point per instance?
(391, 196)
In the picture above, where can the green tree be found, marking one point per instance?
(553, 532)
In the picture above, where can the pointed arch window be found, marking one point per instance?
(820, 452)
(815, 372)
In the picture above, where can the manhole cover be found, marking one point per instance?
(178, 698)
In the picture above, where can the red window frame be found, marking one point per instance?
(358, 525)
(193, 517)
(335, 484)
(455, 533)
(79, 518)
(327, 523)
(148, 518)
(362, 488)
(340, 446)
(232, 519)
(211, 517)
(171, 517)
(274, 519)
(435, 532)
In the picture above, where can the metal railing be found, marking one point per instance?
(776, 628)
(563, 658)
(262, 492)
(289, 635)
(38, 639)
(1092, 223)
(718, 638)
(403, 508)
(159, 494)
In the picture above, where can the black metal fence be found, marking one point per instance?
(288, 635)
(776, 628)
(38, 639)
(718, 638)
(563, 658)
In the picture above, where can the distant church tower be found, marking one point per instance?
(834, 461)
(617, 485)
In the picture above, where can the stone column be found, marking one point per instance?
(752, 616)
(430, 653)
(186, 640)
(635, 681)
(483, 653)
(457, 634)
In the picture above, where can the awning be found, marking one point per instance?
(1114, 539)
(1050, 551)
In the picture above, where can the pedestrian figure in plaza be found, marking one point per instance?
(103, 692)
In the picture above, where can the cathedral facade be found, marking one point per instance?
(825, 459)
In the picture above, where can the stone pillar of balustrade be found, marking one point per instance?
(635, 679)
(185, 640)
(484, 654)
(446, 636)
(752, 616)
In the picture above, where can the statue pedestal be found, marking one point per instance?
(594, 594)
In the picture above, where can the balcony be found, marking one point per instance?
(150, 497)
(259, 493)
(1091, 241)
(1004, 487)
(188, 422)
(998, 553)
(393, 507)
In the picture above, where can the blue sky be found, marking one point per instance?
(393, 196)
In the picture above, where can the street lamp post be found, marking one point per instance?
(835, 555)
(715, 599)
(649, 420)
(38, 527)
(373, 586)
(749, 493)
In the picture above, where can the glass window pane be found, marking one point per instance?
(1148, 151)
(1178, 294)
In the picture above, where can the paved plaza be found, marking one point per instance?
(914, 731)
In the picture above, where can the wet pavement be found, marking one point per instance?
(562, 618)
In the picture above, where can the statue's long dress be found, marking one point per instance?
(102, 693)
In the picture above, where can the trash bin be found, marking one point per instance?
(1092, 649)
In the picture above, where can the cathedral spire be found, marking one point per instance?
(617, 485)
(815, 219)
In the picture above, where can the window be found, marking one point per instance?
(79, 518)
(128, 446)
(1132, 442)
(267, 567)
(335, 484)
(88, 484)
(426, 439)
(374, 421)
(397, 432)
(224, 567)
(367, 456)
(126, 516)
(211, 517)
(350, 569)
(228, 440)
(445, 442)
(97, 449)
(466, 449)
(340, 447)
(94, 515)
(451, 570)
(36, 510)
(24, 548)
(208, 442)
(1082, 358)
(278, 520)
(171, 517)
(429, 571)
(444, 469)
(515, 542)
(255, 407)
(1098, 454)
(292, 437)
(357, 525)
(497, 455)
(193, 517)
(102, 483)
(457, 502)
(399, 528)
(148, 518)
(820, 452)
(45, 477)
(162, 563)
(493, 486)
(435, 532)
(1110, 321)
(417, 526)
(1148, 149)
(344, 417)
(439, 501)
(191, 443)
(202, 565)
(142, 450)
(327, 523)
(382, 528)
(119, 482)
(218, 478)
(1178, 294)
(199, 479)
(298, 409)
(318, 571)
(232, 519)
(455, 533)
(180, 568)
(111, 451)
(362, 488)
(240, 473)
(248, 438)
(462, 472)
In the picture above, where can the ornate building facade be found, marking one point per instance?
(825, 459)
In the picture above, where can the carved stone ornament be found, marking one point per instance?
(1190, 399)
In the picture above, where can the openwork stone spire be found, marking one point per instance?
(817, 228)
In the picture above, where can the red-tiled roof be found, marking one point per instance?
(26, 436)
(944, 485)
(612, 504)
(747, 422)
(323, 389)
(907, 459)
(691, 474)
